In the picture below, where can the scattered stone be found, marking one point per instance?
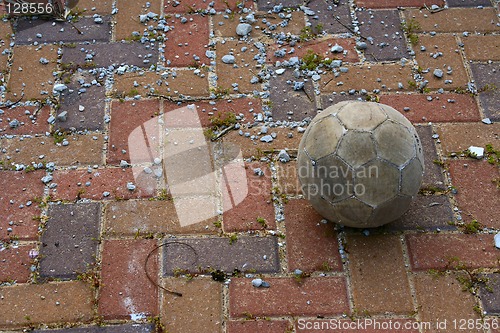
(257, 283)
(124, 164)
(298, 85)
(243, 29)
(81, 108)
(438, 73)
(477, 152)
(63, 116)
(283, 156)
(228, 59)
(59, 88)
(47, 179)
(131, 186)
(14, 123)
(298, 272)
(497, 240)
(266, 138)
(361, 45)
(51, 119)
(487, 121)
(280, 71)
(337, 49)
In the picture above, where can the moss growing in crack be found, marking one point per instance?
(410, 27)
(313, 60)
(262, 222)
(473, 227)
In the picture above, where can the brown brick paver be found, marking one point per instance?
(5, 33)
(257, 204)
(82, 150)
(126, 291)
(127, 18)
(449, 58)
(447, 250)
(29, 123)
(185, 82)
(133, 117)
(199, 309)
(475, 47)
(304, 230)
(132, 217)
(477, 194)
(396, 4)
(443, 299)
(384, 77)
(459, 137)
(28, 75)
(379, 279)
(241, 72)
(286, 296)
(455, 20)
(47, 303)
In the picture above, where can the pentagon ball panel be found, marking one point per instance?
(360, 164)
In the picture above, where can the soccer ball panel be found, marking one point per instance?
(390, 211)
(357, 148)
(362, 116)
(376, 182)
(395, 144)
(323, 137)
(411, 177)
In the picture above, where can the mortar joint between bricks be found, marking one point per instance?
(409, 276)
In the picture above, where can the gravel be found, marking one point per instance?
(243, 29)
(438, 73)
(228, 59)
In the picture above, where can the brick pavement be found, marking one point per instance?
(96, 237)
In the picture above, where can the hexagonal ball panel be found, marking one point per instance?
(352, 213)
(323, 137)
(411, 179)
(361, 116)
(357, 148)
(376, 182)
(333, 179)
(389, 211)
(395, 143)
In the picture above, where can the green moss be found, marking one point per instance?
(410, 27)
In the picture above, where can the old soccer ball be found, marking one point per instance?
(360, 164)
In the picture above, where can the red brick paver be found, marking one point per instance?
(305, 229)
(442, 108)
(19, 199)
(286, 296)
(16, 264)
(126, 291)
(446, 251)
(72, 184)
(478, 194)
